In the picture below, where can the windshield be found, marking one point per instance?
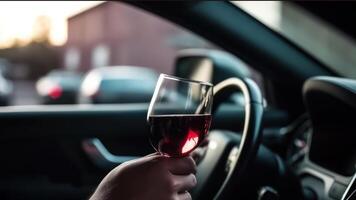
(317, 37)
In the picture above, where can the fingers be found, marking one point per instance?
(184, 183)
(205, 142)
(198, 154)
(181, 166)
(184, 196)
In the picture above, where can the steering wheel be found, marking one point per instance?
(228, 155)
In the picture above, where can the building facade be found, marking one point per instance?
(114, 33)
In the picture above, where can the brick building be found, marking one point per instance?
(114, 33)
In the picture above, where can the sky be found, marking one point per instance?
(17, 19)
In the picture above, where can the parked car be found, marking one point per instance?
(6, 89)
(59, 87)
(6, 86)
(4, 67)
(118, 84)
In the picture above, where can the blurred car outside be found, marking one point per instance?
(6, 86)
(6, 89)
(118, 84)
(4, 67)
(59, 87)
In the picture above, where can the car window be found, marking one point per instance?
(82, 52)
(329, 45)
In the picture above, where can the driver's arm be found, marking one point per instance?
(150, 177)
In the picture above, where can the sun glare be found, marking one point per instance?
(17, 19)
(190, 142)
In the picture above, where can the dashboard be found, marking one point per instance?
(333, 145)
(323, 151)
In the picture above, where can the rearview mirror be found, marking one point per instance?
(209, 65)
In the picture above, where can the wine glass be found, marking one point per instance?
(179, 115)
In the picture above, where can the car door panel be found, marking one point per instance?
(51, 142)
(50, 148)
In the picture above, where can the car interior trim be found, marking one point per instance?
(101, 156)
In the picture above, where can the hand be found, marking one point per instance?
(150, 177)
(199, 153)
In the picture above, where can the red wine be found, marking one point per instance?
(178, 135)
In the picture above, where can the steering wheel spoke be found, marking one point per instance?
(212, 168)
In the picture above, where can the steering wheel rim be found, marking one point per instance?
(251, 135)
